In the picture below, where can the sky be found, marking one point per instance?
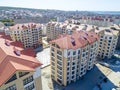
(84, 5)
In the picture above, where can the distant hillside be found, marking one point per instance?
(108, 12)
(6, 8)
(83, 12)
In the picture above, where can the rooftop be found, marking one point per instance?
(14, 58)
(77, 40)
(25, 26)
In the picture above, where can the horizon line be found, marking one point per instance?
(62, 10)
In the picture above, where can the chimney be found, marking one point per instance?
(18, 27)
(73, 41)
(97, 28)
(7, 43)
(16, 51)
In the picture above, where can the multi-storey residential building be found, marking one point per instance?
(107, 43)
(19, 70)
(54, 29)
(72, 55)
(117, 28)
(30, 34)
(97, 21)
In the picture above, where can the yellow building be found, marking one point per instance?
(54, 29)
(30, 34)
(72, 56)
(19, 70)
(108, 41)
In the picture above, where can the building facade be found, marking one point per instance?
(54, 29)
(107, 43)
(30, 34)
(19, 70)
(72, 56)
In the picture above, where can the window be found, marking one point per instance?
(81, 73)
(100, 46)
(67, 73)
(58, 57)
(78, 51)
(53, 63)
(73, 68)
(60, 68)
(83, 50)
(52, 59)
(14, 77)
(59, 72)
(67, 78)
(53, 44)
(100, 42)
(59, 52)
(108, 44)
(83, 55)
(105, 37)
(109, 40)
(60, 63)
(72, 77)
(68, 64)
(73, 63)
(30, 87)
(68, 69)
(74, 52)
(68, 53)
(60, 77)
(23, 74)
(59, 80)
(13, 87)
(74, 58)
(100, 39)
(52, 49)
(53, 72)
(28, 80)
(81, 69)
(52, 54)
(53, 68)
(110, 37)
(57, 46)
(73, 72)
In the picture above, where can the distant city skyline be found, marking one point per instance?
(69, 5)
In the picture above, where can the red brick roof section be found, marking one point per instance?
(76, 40)
(10, 62)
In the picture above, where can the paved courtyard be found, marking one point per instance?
(88, 82)
(44, 57)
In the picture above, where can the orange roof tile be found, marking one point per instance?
(25, 26)
(76, 40)
(10, 62)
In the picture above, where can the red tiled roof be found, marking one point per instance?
(76, 40)
(25, 26)
(28, 52)
(10, 62)
(2, 35)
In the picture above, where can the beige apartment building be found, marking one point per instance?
(54, 29)
(97, 21)
(107, 43)
(72, 56)
(19, 70)
(30, 34)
